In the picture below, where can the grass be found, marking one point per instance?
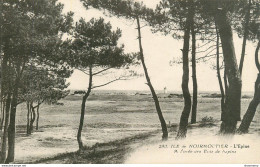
(118, 120)
(101, 153)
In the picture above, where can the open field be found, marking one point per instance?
(109, 117)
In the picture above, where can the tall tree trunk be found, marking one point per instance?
(247, 18)
(38, 116)
(250, 113)
(194, 76)
(4, 75)
(3, 113)
(1, 96)
(11, 128)
(231, 113)
(219, 75)
(32, 118)
(83, 108)
(185, 78)
(2, 109)
(28, 118)
(5, 132)
(5, 91)
(156, 101)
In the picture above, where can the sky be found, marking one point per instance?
(159, 50)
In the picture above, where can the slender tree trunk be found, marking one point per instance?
(28, 118)
(219, 75)
(247, 18)
(3, 114)
(32, 118)
(156, 101)
(194, 76)
(38, 116)
(5, 90)
(1, 99)
(2, 110)
(4, 78)
(185, 78)
(231, 113)
(2, 74)
(83, 108)
(11, 128)
(250, 113)
(5, 132)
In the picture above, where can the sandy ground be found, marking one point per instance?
(53, 141)
(115, 152)
(201, 146)
(148, 148)
(126, 124)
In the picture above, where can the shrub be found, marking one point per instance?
(207, 121)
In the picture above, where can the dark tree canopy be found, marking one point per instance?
(39, 85)
(96, 44)
(31, 28)
(122, 8)
(30, 32)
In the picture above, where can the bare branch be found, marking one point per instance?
(39, 103)
(207, 56)
(210, 51)
(143, 26)
(82, 70)
(204, 44)
(94, 87)
(207, 49)
(101, 71)
(207, 40)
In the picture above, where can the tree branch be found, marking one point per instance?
(83, 71)
(204, 44)
(39, 103)
(207, 56)
(101, 71)
(142, 26)
(94, 87)
(207, 49)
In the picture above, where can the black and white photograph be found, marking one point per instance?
(129, 82)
